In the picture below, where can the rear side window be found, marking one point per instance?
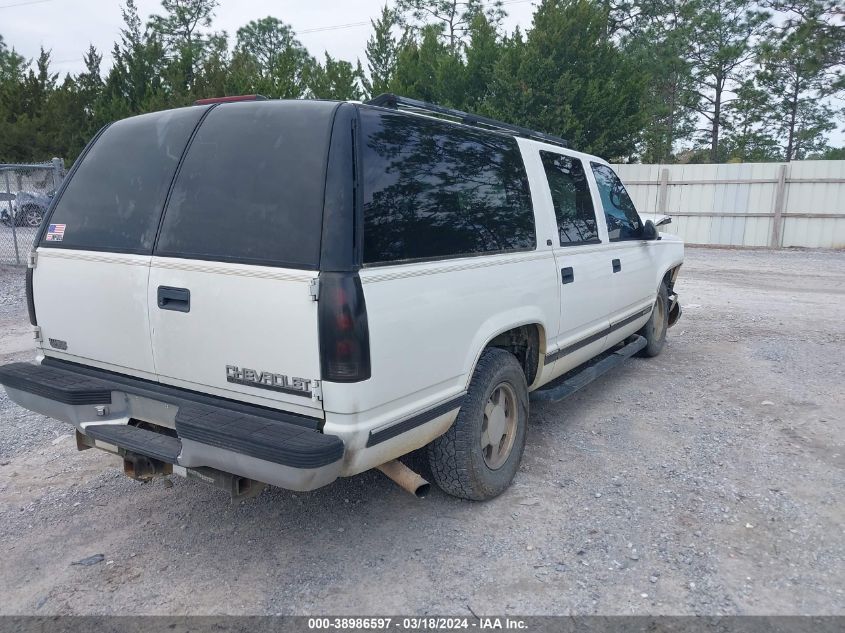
(114, 200)
(623, 221)
(576, 218)
(433, 189)
(250, 189)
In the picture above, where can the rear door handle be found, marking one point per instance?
(567, 275)
(178, 299)
(617, 265)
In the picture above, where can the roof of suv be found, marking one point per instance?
(419, 108)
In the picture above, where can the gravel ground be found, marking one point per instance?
(708, 480)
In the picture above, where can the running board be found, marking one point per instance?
(580, 377)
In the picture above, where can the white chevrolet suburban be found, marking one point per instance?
(253, 291)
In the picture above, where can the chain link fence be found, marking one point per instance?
(25, 194)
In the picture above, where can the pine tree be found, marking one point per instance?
(657, 40)
(270, 60)
(749, 124)
(574, 82)
(482, 54)
(334, 79)
(452, 17)
(425, 68)
(802, 66)
(381, 53)
(134, 82)
(722, 37)
(180, 31)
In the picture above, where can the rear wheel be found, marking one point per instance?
(479, 455)
(654, 330)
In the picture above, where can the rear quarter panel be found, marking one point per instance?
(428, 323)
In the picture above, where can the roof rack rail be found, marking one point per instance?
(231, 99)
(388, 100)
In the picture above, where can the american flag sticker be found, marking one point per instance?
(55, 233)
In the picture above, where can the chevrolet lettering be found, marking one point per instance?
(268, 380)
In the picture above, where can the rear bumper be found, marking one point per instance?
(268, 446)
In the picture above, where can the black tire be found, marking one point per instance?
(655, 329)
(459, 465)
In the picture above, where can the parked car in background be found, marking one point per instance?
(28, 208)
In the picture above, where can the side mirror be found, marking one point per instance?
(664, 220)
(650, 231)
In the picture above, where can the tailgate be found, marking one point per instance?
(248, 332)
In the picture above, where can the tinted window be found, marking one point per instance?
(113, 201)
(576, 218)
(434, 189)
(250, 189)
(623, 221)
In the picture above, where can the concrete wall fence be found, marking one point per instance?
(800, 203)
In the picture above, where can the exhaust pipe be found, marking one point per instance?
(405, 478)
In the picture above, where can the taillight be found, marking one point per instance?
(344, 333)
(30, 300)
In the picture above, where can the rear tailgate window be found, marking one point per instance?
(250, 189)
(114, 199)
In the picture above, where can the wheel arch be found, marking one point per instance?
(526, 340)
(670, 275)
